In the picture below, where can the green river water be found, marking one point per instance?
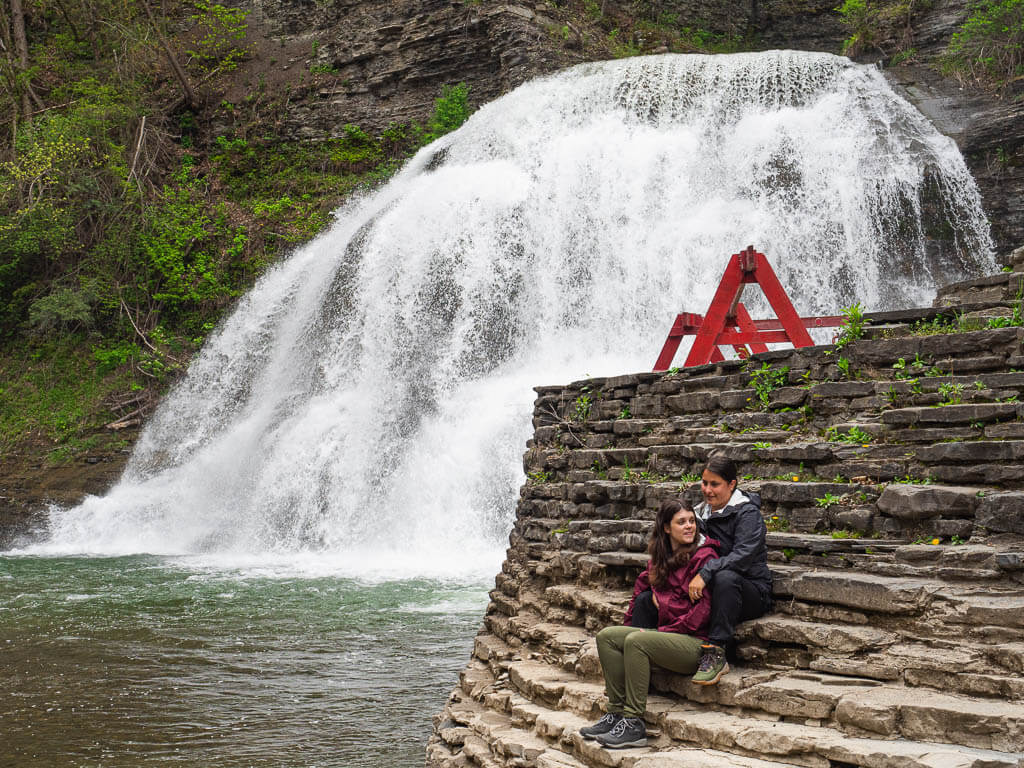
(155, 661)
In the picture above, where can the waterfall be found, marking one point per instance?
(367, 403)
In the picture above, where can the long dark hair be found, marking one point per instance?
(663, 560)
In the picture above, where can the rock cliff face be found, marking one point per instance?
(382, 61)
(896, 542)
(375, 62)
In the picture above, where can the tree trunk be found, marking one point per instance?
(21, 51)
(186, 88)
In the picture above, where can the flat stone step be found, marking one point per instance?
(680, 757)
(950, 730)
(966, 413)
(816, 543)
(600, 605)
(821, 747)
(860, 591)
(506, 741)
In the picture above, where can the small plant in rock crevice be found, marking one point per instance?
(843, 533)
(536, 478)
(852, 435)
(852, 327)
(766, 380)
(828, 500)
(581, 408)
(951, 393)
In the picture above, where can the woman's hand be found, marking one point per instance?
(654, 599)
(696, 588)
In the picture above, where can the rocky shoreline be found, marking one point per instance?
(29, 485)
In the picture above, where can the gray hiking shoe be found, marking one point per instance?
(602, 726)
(628, 732)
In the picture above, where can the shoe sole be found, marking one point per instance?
(716, 678)
(626, 744)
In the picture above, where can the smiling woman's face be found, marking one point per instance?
(716, 491)
(682, 528)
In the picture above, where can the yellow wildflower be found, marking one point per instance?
(935, 541)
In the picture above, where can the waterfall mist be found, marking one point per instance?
(368, 402)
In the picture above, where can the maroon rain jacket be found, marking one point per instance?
(676, 612)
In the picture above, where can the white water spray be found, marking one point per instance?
(368, 402)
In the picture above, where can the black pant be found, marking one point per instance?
(645, 614)
(733, 599)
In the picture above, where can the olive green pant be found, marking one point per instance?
(627, 654)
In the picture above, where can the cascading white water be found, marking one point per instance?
(370, 398)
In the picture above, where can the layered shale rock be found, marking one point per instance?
(894, 498)
(376, 62)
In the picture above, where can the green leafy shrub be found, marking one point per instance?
(862, 18)
(853, 325)
(990, 44)
(219, 31)
(451, 110)
(766, 380)
(65, 310)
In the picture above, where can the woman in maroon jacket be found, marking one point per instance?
(678, 551)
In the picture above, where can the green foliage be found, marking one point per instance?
(536, 478)
(828, 500)
(623, 46)
(951, 393)
(184, 248)
(220, 30)
(581, 408)
(989, 46)
(451, 110)
(68, 167)
(917, 367)
(777, 524)
(760, 446)
(853, 323)
(624, 413)
(862, 19)
(52, 390)
(943, 325)
(852, 435)
(65, 310)
(842, 533)
(843, 364)
(912, 480)
(766, 380)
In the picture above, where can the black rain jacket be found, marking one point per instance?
(740, 529)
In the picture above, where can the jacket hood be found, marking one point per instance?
(737, 500)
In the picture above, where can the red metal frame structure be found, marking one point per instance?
(728, 322)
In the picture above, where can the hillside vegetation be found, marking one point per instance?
(128, 224)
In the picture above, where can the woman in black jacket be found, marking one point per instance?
(739, 580)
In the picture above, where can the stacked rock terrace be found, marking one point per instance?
(893, 490)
